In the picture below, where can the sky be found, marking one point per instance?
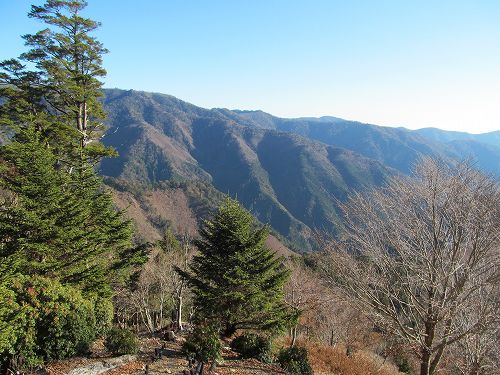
(411, 63)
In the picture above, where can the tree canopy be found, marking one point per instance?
(58, 226)
(422, 257)
(55, 85)
(236, 280)
(54, 223)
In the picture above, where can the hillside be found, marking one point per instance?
(291, 182)
(290, 173)
(180, 206)
(397, 148)
(491, 138)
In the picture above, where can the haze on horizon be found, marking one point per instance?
(395, 63)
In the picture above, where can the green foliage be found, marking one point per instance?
(60, 236)
(103, 310)
(295, 360)
(12, 322)
(45, 320)
(250, 345)
(58, 224)
(121, 341)
(169, 243)
(203, 343)
(236, 280)
(60, 94)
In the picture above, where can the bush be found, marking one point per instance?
(326, 359)
(121, 341)
(295, 360)
(403, 364)
(12, 325)
(203, 343)
(46, 320)
(103, 309)
(250, 345)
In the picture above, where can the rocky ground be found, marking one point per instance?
(172, 362)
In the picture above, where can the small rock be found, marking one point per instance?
(170, 336)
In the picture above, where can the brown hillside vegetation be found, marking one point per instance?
(328, 360)
(153, 210)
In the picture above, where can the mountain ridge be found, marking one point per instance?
(290, 173)
(405, 145)
(160, 138)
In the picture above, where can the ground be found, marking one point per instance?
(173, 362)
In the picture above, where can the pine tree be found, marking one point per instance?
(55, 223)
(236, 280)
(57, 220)
(65, 85)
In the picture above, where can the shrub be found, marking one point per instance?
(250, 345)
(121, 341)
(403, 364)
(12, 325)
(49, 321)
(203, 343)
(103, 309)
(295, 360)
(326, 359)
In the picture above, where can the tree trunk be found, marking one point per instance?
(149, 321)
(179, 313)
(162, 301)
(332, 342)
(293, 332)
(85, 118)
(426, 367)
(199, 368)
(425, 362)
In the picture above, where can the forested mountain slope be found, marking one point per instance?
(398, 148)
(492, 138)
(289, 181)
(291, 173)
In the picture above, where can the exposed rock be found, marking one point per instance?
(103, 366)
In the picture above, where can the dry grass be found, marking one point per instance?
(327, 360)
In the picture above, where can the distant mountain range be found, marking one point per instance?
(491, 138)
(290, 173)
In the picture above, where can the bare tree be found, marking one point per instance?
(159, 288)
(148, 295)
(479, 353)
(416, 254)
(180, 259)
(304, 293)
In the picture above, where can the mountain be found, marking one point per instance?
(491, 138)
(290, 173)
(289, 181)
(398, 148)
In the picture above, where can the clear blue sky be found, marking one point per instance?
(411, 63)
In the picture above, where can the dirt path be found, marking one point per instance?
(172, 362)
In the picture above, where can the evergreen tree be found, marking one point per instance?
(56, 219)
(236, 280)
(64, 86)
(56, 224)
